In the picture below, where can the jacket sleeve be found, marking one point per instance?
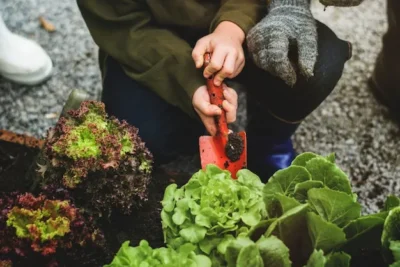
(245, 14)
(149, 54)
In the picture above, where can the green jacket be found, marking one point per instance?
(153, 39)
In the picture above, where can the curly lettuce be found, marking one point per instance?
(212, 208)
(145, 256)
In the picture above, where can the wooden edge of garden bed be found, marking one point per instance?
(21, 139)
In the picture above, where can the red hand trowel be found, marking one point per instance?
(226, 149)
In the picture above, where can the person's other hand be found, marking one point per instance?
(225, 45)
(207, 111)
(285, 24)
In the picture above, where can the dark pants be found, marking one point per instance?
(386, 76)
(169, 132)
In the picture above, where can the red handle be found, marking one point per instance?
(217, 97)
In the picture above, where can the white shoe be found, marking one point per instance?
(22, 60)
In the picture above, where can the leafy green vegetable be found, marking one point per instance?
(337, 259)
(334, 206)
(285, 180)
(316, 259)
(291, 229)
(302, 159)
(305, 215)
(279, 190)
(265, 252)
(391, 229)
(324, 235)
(391, 202)
(273, 252)
(362, 225)
(210, 207)
(301, 189)
(327, 172)
(391, 235)
(395, 248)
(145, 256)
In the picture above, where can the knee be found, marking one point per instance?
(308, 94)
(333, 53)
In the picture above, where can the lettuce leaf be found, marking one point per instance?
(243, 252)
(329, 174)
(391, 202)
(391, 235)
(324, 235)
(337, 259)
(334, 206)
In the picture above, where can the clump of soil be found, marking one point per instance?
(234, 147)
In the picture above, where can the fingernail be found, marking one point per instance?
(226, 92)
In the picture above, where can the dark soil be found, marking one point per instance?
(15, 162)
(144, 223)
(234, 147)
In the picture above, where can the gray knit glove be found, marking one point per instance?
(288, 22)
(341, 3)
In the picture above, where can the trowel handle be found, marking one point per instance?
(216, 98)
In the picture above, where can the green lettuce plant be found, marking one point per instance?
(313, 211)
(143, 255)
(212, 208)
(306, 215)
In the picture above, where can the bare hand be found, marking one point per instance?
(225, 44)
(207, 111)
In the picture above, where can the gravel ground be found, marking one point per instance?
(350, 122)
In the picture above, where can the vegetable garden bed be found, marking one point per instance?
(88, 195)
(17, 156)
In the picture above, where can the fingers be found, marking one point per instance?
(207, 109)
(198, 52)
(276, 58)
(224, 63)
(216, 62)
(228, 68)
(230, 104)
(230, 95)
(206, 113)
(286, 72)
(308, 52)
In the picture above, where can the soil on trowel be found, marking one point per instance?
(234, 147)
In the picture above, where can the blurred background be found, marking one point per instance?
(350, 122)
